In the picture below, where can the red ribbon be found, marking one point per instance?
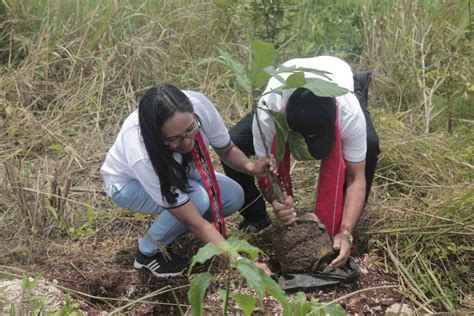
(204, 166)
(330, 188)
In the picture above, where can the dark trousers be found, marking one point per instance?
(241, 134)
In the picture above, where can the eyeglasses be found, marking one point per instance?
(189, 133)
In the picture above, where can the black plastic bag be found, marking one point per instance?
(329, 276)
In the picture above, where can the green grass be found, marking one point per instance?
(69, 71)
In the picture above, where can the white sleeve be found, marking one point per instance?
(212, 122)
(353, 131)
(266, 124)
(145, 174)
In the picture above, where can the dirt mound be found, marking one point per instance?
(303, 246)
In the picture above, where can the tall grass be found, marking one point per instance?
(69, 71)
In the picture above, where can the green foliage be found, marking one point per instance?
(298, 147)
(428, 229)
(254, 277)
(296, 28)
(260, 71)
(69, 71)
(246, 302)
(263, 56)
(87, 229)
(424, 52)
(197, 290)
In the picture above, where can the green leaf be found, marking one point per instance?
(263, 55)
(298, 146)
(252, 276)
(241, 79)
(205, 253)
(282, 130)
(295, 80)
(301, 306)
(197, 289)
(246, 303)
(293, 69)
(240, 245)
(324, 88)
(275, 290)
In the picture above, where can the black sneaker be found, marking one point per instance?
(160, 265)
(254, 226)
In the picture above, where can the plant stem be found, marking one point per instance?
(227, 290)
(273, 181)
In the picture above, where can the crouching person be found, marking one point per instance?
(159, 164)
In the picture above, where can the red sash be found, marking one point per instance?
(203, 163)
(330, 188)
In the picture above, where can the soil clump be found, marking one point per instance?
(304, 246)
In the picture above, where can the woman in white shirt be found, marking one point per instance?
(160, 165)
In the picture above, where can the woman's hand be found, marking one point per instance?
(285, 212)
(258, 167)
(343, 245)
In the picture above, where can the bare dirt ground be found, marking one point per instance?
(101, 274)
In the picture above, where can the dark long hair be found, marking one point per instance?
(157, 105)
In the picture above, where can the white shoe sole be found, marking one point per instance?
(140, 266)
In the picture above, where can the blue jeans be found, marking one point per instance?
(166, 227)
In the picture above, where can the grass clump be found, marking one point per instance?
(69, 71)
(423, 214)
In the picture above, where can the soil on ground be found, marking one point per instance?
(303, 247)
(102, 278)
(97, 271)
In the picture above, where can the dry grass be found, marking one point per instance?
(66, 90)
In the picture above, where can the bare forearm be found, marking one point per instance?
(189, 216)
(207, 233)
(236, 159)
(353, 205)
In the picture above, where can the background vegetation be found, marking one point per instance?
(69, 71)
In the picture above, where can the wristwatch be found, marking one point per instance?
(348, 235)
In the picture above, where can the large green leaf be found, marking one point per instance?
(295, 80)
(240, 245)
(275, 290)
(301, 306)
(246, 303)
(252, 276)
(197, 289)
(298, 147)
(205, 253)
(282, 130)
(263, 55)
(324, 88)
(272, 71)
